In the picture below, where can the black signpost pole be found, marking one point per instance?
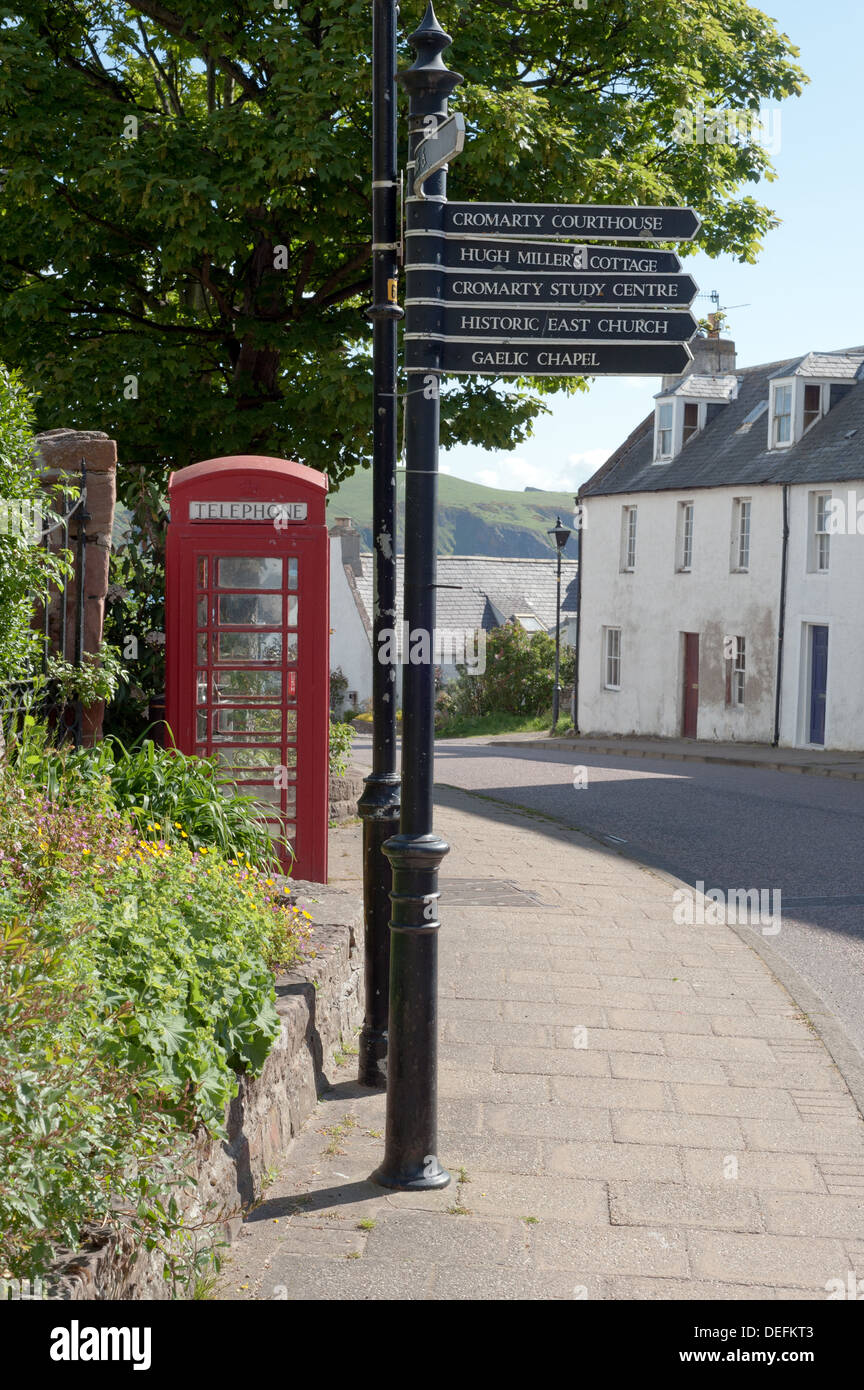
(379, 804)
(410, 1158)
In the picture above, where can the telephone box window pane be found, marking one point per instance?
(280, 831)
(202, 572)
(201, 732)
(268, 759)
(292, 610)
(291, 721)
(264, 793)
(244, 725)
(291, 650)
(262, 610)
(202, 612)
(249, 572)
(201, 688)
(202, 647)
(291, 800)
(292, 574)
(249, 646)
(230, 687)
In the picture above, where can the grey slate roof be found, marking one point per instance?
(702, 388)
(520, 586)
(827, 366)
(722, 455)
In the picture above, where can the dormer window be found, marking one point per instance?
(676, 423)
(799, 399)
(812, 405)
(665, 423)
(682, 411)
(781, 416)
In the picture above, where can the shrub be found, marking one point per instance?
(135, 983)
(519, 678)
(26, 568)
(187, 795)
(341, 738)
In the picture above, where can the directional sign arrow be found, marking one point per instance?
(488, 253)
(438, 149)
(553, 325)
(548, 290)
(588, 222)
(547, 359)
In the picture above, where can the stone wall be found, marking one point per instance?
(345, 792)
(320, 1005)
(60, 454)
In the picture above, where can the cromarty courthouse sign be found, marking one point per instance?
(247, 511)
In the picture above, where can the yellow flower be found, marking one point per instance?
(183, 833)
(202, 849)
(270, 882)
(177, 825)
(156, 825)
(85, 851)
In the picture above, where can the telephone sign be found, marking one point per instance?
(247, 638)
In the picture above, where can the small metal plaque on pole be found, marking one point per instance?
(437, 150)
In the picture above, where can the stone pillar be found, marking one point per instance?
(60, 454)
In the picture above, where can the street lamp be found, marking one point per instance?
(562, 535)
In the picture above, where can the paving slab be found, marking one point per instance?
(630, 1109)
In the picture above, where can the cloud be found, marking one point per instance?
(514, 473)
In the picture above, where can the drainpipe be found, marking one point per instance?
(781, 630)
(580, 533)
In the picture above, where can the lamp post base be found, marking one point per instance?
(411, 1179)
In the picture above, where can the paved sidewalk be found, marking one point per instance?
(630, 1109)
(814, 762)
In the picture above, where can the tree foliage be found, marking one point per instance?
(27, 570)
(185, 230)
(518, 679)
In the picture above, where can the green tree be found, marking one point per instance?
(519, 677)
(26, 569)
(185, 229)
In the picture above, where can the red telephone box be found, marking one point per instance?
(247, 628)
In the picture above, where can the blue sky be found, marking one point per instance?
(806, 291)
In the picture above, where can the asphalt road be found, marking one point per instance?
(728, 827)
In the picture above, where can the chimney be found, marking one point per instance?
(344, 528)
(711, 357)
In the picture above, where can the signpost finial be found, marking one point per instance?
(428, 74)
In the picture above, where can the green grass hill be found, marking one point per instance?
(472, 519)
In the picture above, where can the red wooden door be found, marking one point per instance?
(690, 701)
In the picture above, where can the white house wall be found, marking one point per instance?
(834, 599)
(350, 645)
(654, 606)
